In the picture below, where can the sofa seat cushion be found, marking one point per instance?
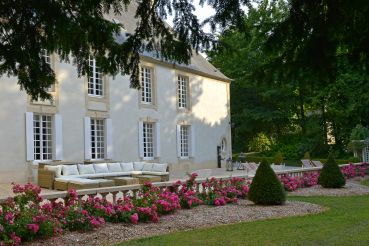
(101, 168)
(117, 174)
(127, 166)
(147, 167)
(138, 166)
(84, 176)
(69, 170)
(56, 169)
(86, 169)
(66, 179)
(155, 173)
(158, 167)
(114, 167)
(81, 181)
(96, 175)
(136, 172)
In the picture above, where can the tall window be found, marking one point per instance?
(95, 81)
(97, 138)
(148, 140)
(146, 85)
(182, 92)
(184, 141)
(46, 56)
(42, 137)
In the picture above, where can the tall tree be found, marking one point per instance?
(78, 29)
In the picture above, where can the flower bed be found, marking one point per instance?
(28, 217)
(311, 178)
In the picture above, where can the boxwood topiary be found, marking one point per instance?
(266, 189)
(331, 175)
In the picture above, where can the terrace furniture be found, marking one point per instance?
(83, 175)
(79, 184)
(317, 163)
(306, 163)
(148, 178)
(125, 181)
(105, 182)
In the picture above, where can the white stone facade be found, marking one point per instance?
(207, 115)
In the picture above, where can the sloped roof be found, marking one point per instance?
(198, 64)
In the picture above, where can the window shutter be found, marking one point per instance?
(179, 140)
(87, 138)
(140, 139)
(193, 146)
(157, 133)
(109, 139)
(29, 136)
(58, 137)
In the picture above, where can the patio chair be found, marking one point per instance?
(306, 163)
(317, 163)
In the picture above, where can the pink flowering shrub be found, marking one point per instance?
(351, 170)
(28, 217)
(23, 218)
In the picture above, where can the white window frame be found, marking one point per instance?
(148, 140)
(47, 58)
(98, 138)
(95, 85)
(43, 128)
(147, 85)
(183, 92)
(184, 140)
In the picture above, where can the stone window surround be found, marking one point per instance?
(153, 104)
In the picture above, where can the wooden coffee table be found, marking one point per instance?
(148, 178)
(125, 181)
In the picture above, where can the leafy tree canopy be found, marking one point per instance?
(78, 30)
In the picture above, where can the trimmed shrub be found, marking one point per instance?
(266, 189)
(331, 175)
(278, 158)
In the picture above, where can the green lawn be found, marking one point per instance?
(345, 223)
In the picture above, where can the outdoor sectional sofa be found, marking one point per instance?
(64, 176)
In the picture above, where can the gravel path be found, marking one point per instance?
(352, 188)
(199, 217)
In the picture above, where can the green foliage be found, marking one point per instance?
(266, 189)
(278, 158)
(307, 155)
(77, 30)
(260, 143)
(331, 175)
(359, 133)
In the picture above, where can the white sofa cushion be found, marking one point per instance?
(147, 167)
(56, 169)
(114, 167)
(84, 181)
(101, 168)
(158, 167)
(155, 173)
(96, 175)
(136, 172)
(68, 170)
(127, 167)
(138, 166)
(86, 169)
(66, 179)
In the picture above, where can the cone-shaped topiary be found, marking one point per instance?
(266, 189)
(331, 175)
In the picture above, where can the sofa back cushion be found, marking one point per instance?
(68, 170)
(138, 166)
(56, 169)
(127, 167)
(101, 168)
(114, 167)
(158, 167)
(147, 167)
(86, 169)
